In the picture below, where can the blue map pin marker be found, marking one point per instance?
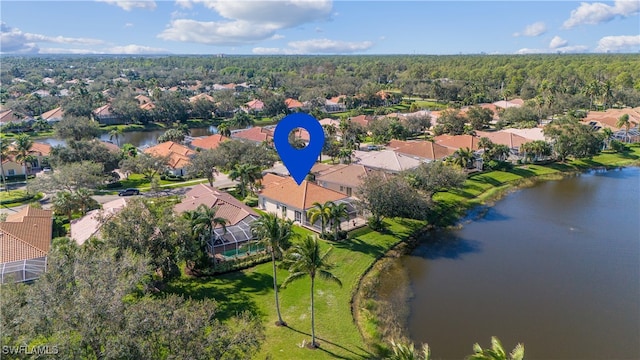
(299, 161)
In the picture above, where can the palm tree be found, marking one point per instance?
(115, 133)
(608, 133)
(4, 151)
(320, 211)
(305, 259)
(246, 174)
(84, 200)
(224, 130)
(275, 233)
(623, 121)
(345, 155)
(402, 351)
(463, 157)
(337, 212)
(500, 152)
(203, 222)
(242, 120)
(23, 147)
(65, 203)
(496, 352)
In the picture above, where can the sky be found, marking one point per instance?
(266, 27)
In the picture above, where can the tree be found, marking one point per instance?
(496, 352)
(305, 259)
(623, 121)
(4, 151)
(275, 233)
(204, 163)
(203, 109)
(569, 137)
(223, 129)
(85, 201)
(65, 203)
(70, 177)
(247, 174)
(146, 164)
(242, 120)
(499, 152)
(345, 155)
(77, 151)
(479, 117)
(23, 146)
(234, 152)
(536, 149)
(452, 122)
(417, 124)
(202, 223)
(390, 197)
(463, 157)
(320, 211)
(175, 135)
(76, 128)
(608, 134)
(115, 134)
(337, 212)
(436, 176)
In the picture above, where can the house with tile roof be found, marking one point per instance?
(253, 106)
(90, 224)
(39, 151)
(529, 134)
(344, 178)
(208, 142)
(363, 120)
(238, 217)
(284, 197)
(386, 160)
(53, 115)
(205, 97)
(512, 140)
(105, 116)
(179, 155)
(256, 134)
(458, 141)
(293, 104)
(334, 104)
(26, 239)
(8, 116)
(423, 150)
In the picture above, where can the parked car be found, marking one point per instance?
(129, 192)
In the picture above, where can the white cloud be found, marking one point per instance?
(617, 43)
(596, 13)
(118, 50)
(13, 40)
(246, 21)
(557, 42)
(128, 25)
(535, 29)
(129, 5)
(317, 46)
(560, 50)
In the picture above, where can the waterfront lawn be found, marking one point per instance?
(252, 290)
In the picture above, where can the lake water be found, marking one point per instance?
(555, 267)
(137, 138)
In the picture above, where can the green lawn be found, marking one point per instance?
(251, 290)
(13, 198)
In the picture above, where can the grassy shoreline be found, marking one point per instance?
(480, 190)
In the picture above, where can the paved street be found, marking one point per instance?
(222, 182)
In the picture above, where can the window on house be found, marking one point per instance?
(11, 172)
(284, 211)
(349, 191)
(341, 188)
(298, 216)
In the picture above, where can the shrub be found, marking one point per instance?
(163, 177)
(618, 146)
(251, 201)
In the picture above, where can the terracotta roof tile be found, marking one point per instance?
(26, 234)
(458, 141)
(179, 155)
(209, 142)
(54, 114)
(423, 149)
(287, 192)
(229, 208)
(256, 133)
(503, 138)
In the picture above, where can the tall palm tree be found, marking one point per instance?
(84, 200)
(224, 130)
(203, 222)
(275, 233)
(320, 211)
(23, 147)
(623, 121)
(65, 203)
(246, 174)
(496, 352)
(345, 155)
(115, 133)
(608, 133)
(4, 151)
(305, 259)
(337, 212)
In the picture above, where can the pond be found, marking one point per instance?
(555, 267)
(137, 138)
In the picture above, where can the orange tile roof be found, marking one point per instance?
(458, 141)
(350, 175)
(229, 208)
(143, 99)
(293, 103)
(363, 120)
(255, 104)
(610, 117)
(336, 99)
(26, 234)
(423, 149)
(40, 149)
(287, 192)
(179, 155)
(201, 96)
(256, 133)
(209, 142)
(503, 138)
(56, 113)
(147, 106)
(104, 110)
